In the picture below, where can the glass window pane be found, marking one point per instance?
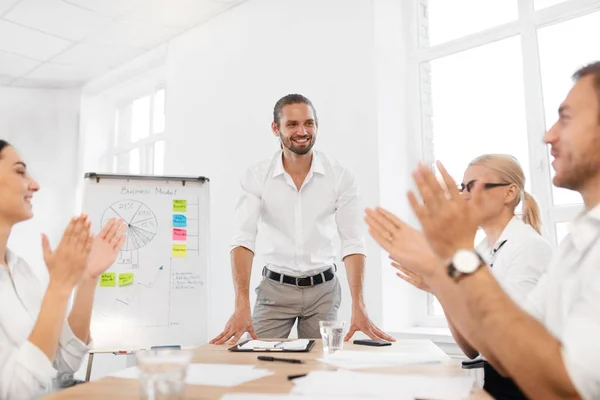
(122, 163)
(562, 230)
(159, 111)
(134, 161)
(159, 157)
(140, 119)
(445, 20)
(123, 125)
(546, 3)
(475, 105)
(560, 57)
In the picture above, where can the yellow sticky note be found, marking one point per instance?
(108, 279)
(179, 250)
(179, 205)
(126, 279)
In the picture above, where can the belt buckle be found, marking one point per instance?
(298, 286)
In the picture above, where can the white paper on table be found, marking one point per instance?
(264, 396)
(299, 344)
(349, 359)
(383, 386)
(223, 375)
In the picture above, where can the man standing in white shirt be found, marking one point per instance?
(551, 350)
(297, 200)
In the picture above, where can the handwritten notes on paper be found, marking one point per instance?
(179, 221)
(179, 205)
(179, 234)
(108, 279)
(126, 279)
(179, 250)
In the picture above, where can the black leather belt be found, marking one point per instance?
(301, 282)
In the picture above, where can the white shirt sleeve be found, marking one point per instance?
(71, 351)
(526, 267)
(247, 213)
(348, 216)
(581, 341)
(25, 372)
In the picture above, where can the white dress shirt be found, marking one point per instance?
(25, 371)
(298, 227)
(518, 259)
(567, 302)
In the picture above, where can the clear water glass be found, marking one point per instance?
(163, 373)
(332, 333)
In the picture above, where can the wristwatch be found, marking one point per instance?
(464, 262)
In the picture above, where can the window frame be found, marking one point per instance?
(145, 145)
(525, 27)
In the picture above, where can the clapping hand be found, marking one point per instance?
(67, 263)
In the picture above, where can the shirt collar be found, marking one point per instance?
(511, 230)
(11, 260)
(585, 228)
(315, 167)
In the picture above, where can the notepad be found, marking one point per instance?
(299, 344)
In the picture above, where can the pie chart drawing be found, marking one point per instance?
(141, 222)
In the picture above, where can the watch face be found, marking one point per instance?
(466, 261)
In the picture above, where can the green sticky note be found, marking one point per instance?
(179, 205)
(126, 279)
(108, 279)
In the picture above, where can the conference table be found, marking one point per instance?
(117, 388)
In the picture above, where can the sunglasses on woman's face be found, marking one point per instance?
(471, 184)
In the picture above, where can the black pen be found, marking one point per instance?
(290, 360)
(290, 377)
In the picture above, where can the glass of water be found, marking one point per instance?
(332, 333)
(163, 373)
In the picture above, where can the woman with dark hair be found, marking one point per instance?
(37, 337)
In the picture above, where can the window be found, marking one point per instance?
(491, 79)
(138, 145)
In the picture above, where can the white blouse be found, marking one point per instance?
(25, 371)
(518, 259)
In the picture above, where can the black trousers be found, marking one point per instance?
(499, 387)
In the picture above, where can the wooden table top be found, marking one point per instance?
(127, 389)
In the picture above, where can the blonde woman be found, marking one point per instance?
(513, 247)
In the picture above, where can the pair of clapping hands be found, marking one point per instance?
(80, 254)
(449, 224)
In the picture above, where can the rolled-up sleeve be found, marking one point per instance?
(348, 216)
(71, 351)
(247, 213)
(25, 372)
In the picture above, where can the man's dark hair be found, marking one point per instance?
(3, 144)
(291, 99)
(592, 69)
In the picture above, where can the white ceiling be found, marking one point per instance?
(65, 43)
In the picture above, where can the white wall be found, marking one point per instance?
(223, 79)
(43, 126)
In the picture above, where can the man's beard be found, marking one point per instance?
(289, 144)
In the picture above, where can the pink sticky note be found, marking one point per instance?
(179, 234)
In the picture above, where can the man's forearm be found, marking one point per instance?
(454, 303)
(504, 332)
(460, 340)
(81, 313)
(241, 268)
(515, 333)
(355, 270)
